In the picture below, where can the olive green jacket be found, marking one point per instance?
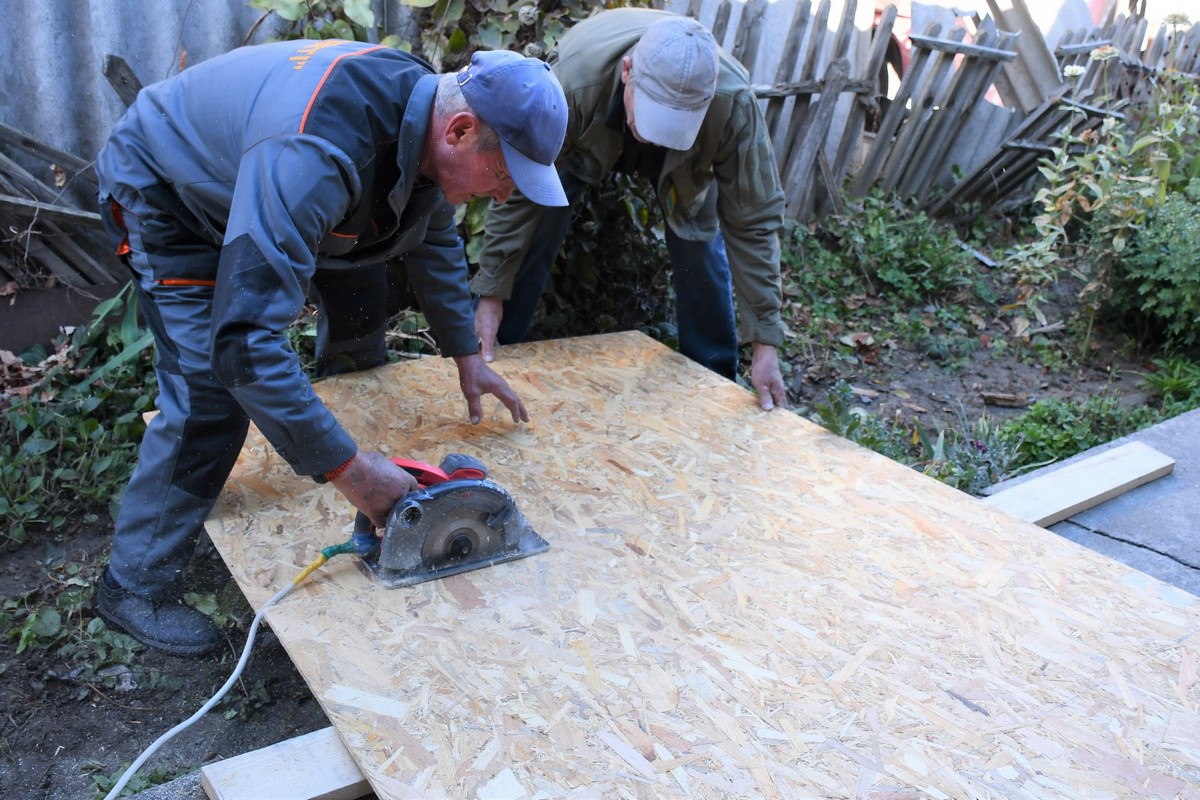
(732, 155)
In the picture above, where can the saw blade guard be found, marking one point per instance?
(448, 528)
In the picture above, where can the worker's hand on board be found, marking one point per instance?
(373, 483)
(488, 314)
(766, 378)
(476, 379)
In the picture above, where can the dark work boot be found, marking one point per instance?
(170, 626)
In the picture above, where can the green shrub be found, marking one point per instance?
(1174, 384)
(613, 272)
(1052, 429)
(68, 439)
(815, 277)
(903, 253)
(970, 458)
(1156, 284)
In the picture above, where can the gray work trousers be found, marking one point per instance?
(190, 446)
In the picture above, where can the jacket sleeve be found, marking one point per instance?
(510, 226)
(508, 234)
(290, 192)
(750, 205)
(437, 271)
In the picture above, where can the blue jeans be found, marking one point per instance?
(699, 273)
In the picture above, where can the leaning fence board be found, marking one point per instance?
(1028, 81)
(315, 766)
(1055, 496)
(735, 604)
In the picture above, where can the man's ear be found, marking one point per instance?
(626, 68)
(461, 127)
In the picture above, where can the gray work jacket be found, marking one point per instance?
(290, 157)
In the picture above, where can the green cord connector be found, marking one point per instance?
(338, 549)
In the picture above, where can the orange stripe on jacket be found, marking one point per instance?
(185, 282)
(321, 83)
(119, 218)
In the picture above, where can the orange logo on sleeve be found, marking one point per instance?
(310, 49)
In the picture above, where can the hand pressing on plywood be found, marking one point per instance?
(766, 378)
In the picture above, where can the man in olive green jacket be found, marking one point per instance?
(650, 93)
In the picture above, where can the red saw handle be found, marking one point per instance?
(454, 467)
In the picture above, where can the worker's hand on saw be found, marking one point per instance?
(476, 379)
(373, 483)
(488, 314)
(765, 375)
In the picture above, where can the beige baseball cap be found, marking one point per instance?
(674, 77)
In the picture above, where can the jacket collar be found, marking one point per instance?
(414, 127)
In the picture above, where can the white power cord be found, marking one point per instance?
(216, 698)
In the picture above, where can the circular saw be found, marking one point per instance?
(457, 520)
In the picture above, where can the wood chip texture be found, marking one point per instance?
(736, 604)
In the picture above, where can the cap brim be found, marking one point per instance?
(674, 128)
(539, 182)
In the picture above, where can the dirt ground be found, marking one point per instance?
(56, 732)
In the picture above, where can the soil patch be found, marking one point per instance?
(59, 731)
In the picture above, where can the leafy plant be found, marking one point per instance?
(1156, 286)
(56, 616)
(970, 458)
(1101, 183)
(1054, 429)
(324, 19)
(69, 434)
(902, 252)
(815, 277)
(1175, 384)
(103, 782)
(613, 272)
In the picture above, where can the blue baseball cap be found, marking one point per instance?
(521, 100)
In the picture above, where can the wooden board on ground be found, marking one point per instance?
(315, 766)
(1055, 496)
(735, 604)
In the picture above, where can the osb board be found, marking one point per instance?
(735, 604)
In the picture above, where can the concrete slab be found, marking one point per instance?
(1154, 528)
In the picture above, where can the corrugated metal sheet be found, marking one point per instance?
(52, 53)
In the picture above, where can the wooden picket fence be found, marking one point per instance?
(939, 142)
(942, 144)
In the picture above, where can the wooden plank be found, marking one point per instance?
(1057, 495)
(892, 121)
(734, 604)
(749, 33)
(855, 124)
(1028, 81)
(802, 163)
(724, 11)
(90, 254)
(963, 48)
(315, 766)
(971, 82)
(808, 71)
(787, 65)
(32, 210)
(72, 164)
(122, 78)
(940, 73)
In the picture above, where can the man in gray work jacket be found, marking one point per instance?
(273, 173)
(650, 93)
